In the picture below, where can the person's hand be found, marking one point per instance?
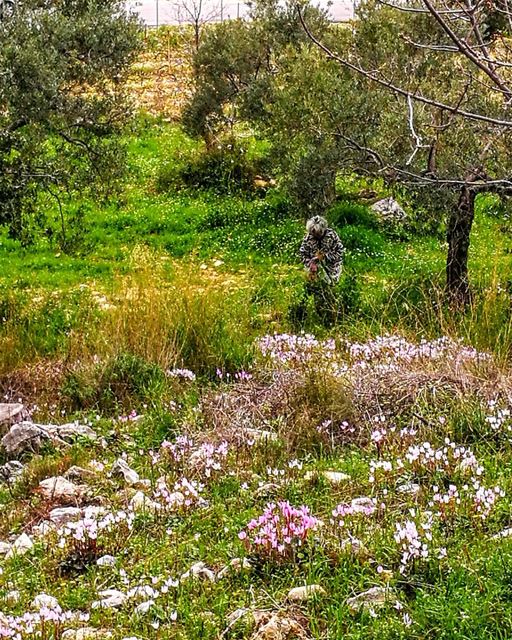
(319, 256)
(313, 266)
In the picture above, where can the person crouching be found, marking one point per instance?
(321, 251)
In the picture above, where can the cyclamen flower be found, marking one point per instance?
(184, 374)
(279, 530)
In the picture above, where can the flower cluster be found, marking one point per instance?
(83, 534)
(34, 624)
(185, 494)
(286, 348)
(280, 530)
(413, 539)
(182, 374)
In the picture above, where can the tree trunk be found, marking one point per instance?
(459, 230)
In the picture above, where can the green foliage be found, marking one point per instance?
(223, 169)
(62, 104)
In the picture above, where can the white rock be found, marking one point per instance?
(11, 472)
(301, 594)
(334, 477)
(44, 600)
(141, 503)
(23, 436)
(79, 474)
(20, 546)
(121, 468)
(26, 436)
(12, 597)
(44, 528)
(58, 488)
(144, 607)
(259, 435)
(106, 561)
(235, 566)
(389, 209)
(199, 570)
(267, 489)
(11, 413)
(4, 548)
(503, 534)
(63, 515)
(372, 599)
(410, 488)
(110, 599)
(86, 633)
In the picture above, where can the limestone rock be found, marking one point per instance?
(409, 488)
(141, 503)
(199, 570)
(11, 472)
(372, 599)
(20, 546)
(388, 210)
(280, 627)
(106, 561)
(11, 412)
(63, 515)
(333, 477)
(121, 468)
(110, 599)
(4, 548)
(60, 489)
(78, 474)
(28, 436)
(506, 533)
(86, 633)
(44, 600)
(235, 566)
(267, 489)
(301, 594)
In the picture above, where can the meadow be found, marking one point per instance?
(246, 470)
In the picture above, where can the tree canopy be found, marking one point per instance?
(62, 100)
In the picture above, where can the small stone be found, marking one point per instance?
(141, 503)
(259, 435)
(78, 474)
(199, 570)
(389, 210)
(144, 607)
(301, 594)
(20, 546)
(4, 548)
(11, 472)
(506, 533)
(333, 477)
(86, 633)
(70, 432)
(24, 436)
(373, 598)
(60, 489)
(354, 546)
(121, 468)
(43, 528)
(266, 489)
(44, 600)
(106, 561)
(110, 599)
(63, 515)
(235, 566)
(410, 488)
(11, 413)
(12, 597)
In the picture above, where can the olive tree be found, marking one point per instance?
(436, 78)
(62, 100)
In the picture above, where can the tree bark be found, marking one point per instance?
(460, 222)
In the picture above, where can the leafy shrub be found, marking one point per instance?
(348, 213)
(223, 169)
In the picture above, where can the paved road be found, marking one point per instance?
(167, 11)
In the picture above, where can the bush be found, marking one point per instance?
(348, 213)
(224, 169)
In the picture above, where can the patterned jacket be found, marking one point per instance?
(329, 251)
